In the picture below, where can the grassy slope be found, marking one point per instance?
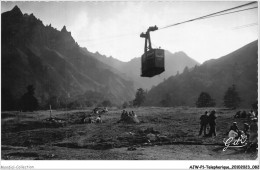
(178, 124)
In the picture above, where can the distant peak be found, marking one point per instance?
(17, 10)
(64, 29)
(180, 53)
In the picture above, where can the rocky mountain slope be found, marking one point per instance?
(53, 62)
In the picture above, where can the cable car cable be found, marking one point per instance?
(232, 12)
(199, 18)
(152, 61)
(207, 16)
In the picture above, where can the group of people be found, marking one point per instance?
(129, 117)
(248, 131)
(126, 114)
(251, 114)
(206, 120)
(236, 133)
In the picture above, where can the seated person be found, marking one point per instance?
(234, 127)
(98, 120)
(232, 134)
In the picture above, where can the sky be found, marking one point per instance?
(113, 28)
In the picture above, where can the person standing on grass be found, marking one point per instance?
(253, 131)
(212, 123)
(203, 123)
(253, 135)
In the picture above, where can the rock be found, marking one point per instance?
(103, 146)
(126, 135)
(163, 138)
(151, 130)
(151, 137)
(140, 139)
(131, 149)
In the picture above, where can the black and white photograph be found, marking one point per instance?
(129, 80)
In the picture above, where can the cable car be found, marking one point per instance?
(152, 59)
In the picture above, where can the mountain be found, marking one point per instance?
(214, 77)
(54, 63)
(174, 63)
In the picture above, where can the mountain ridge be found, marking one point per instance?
(174, 63)
(214, 77)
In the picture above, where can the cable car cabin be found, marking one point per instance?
(152, 59)
(152, 63)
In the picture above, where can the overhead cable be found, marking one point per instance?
(209, 15)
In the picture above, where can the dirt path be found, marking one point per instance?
(165, 152)
(188, 152)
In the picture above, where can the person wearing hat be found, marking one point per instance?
(234, 127)
(234, 131)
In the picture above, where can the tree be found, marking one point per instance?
(185, 70)
(28, 101)
(231, 98)
(139, 97)
(166, 101)
(205, 100)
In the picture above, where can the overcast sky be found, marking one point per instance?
(113, 28)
